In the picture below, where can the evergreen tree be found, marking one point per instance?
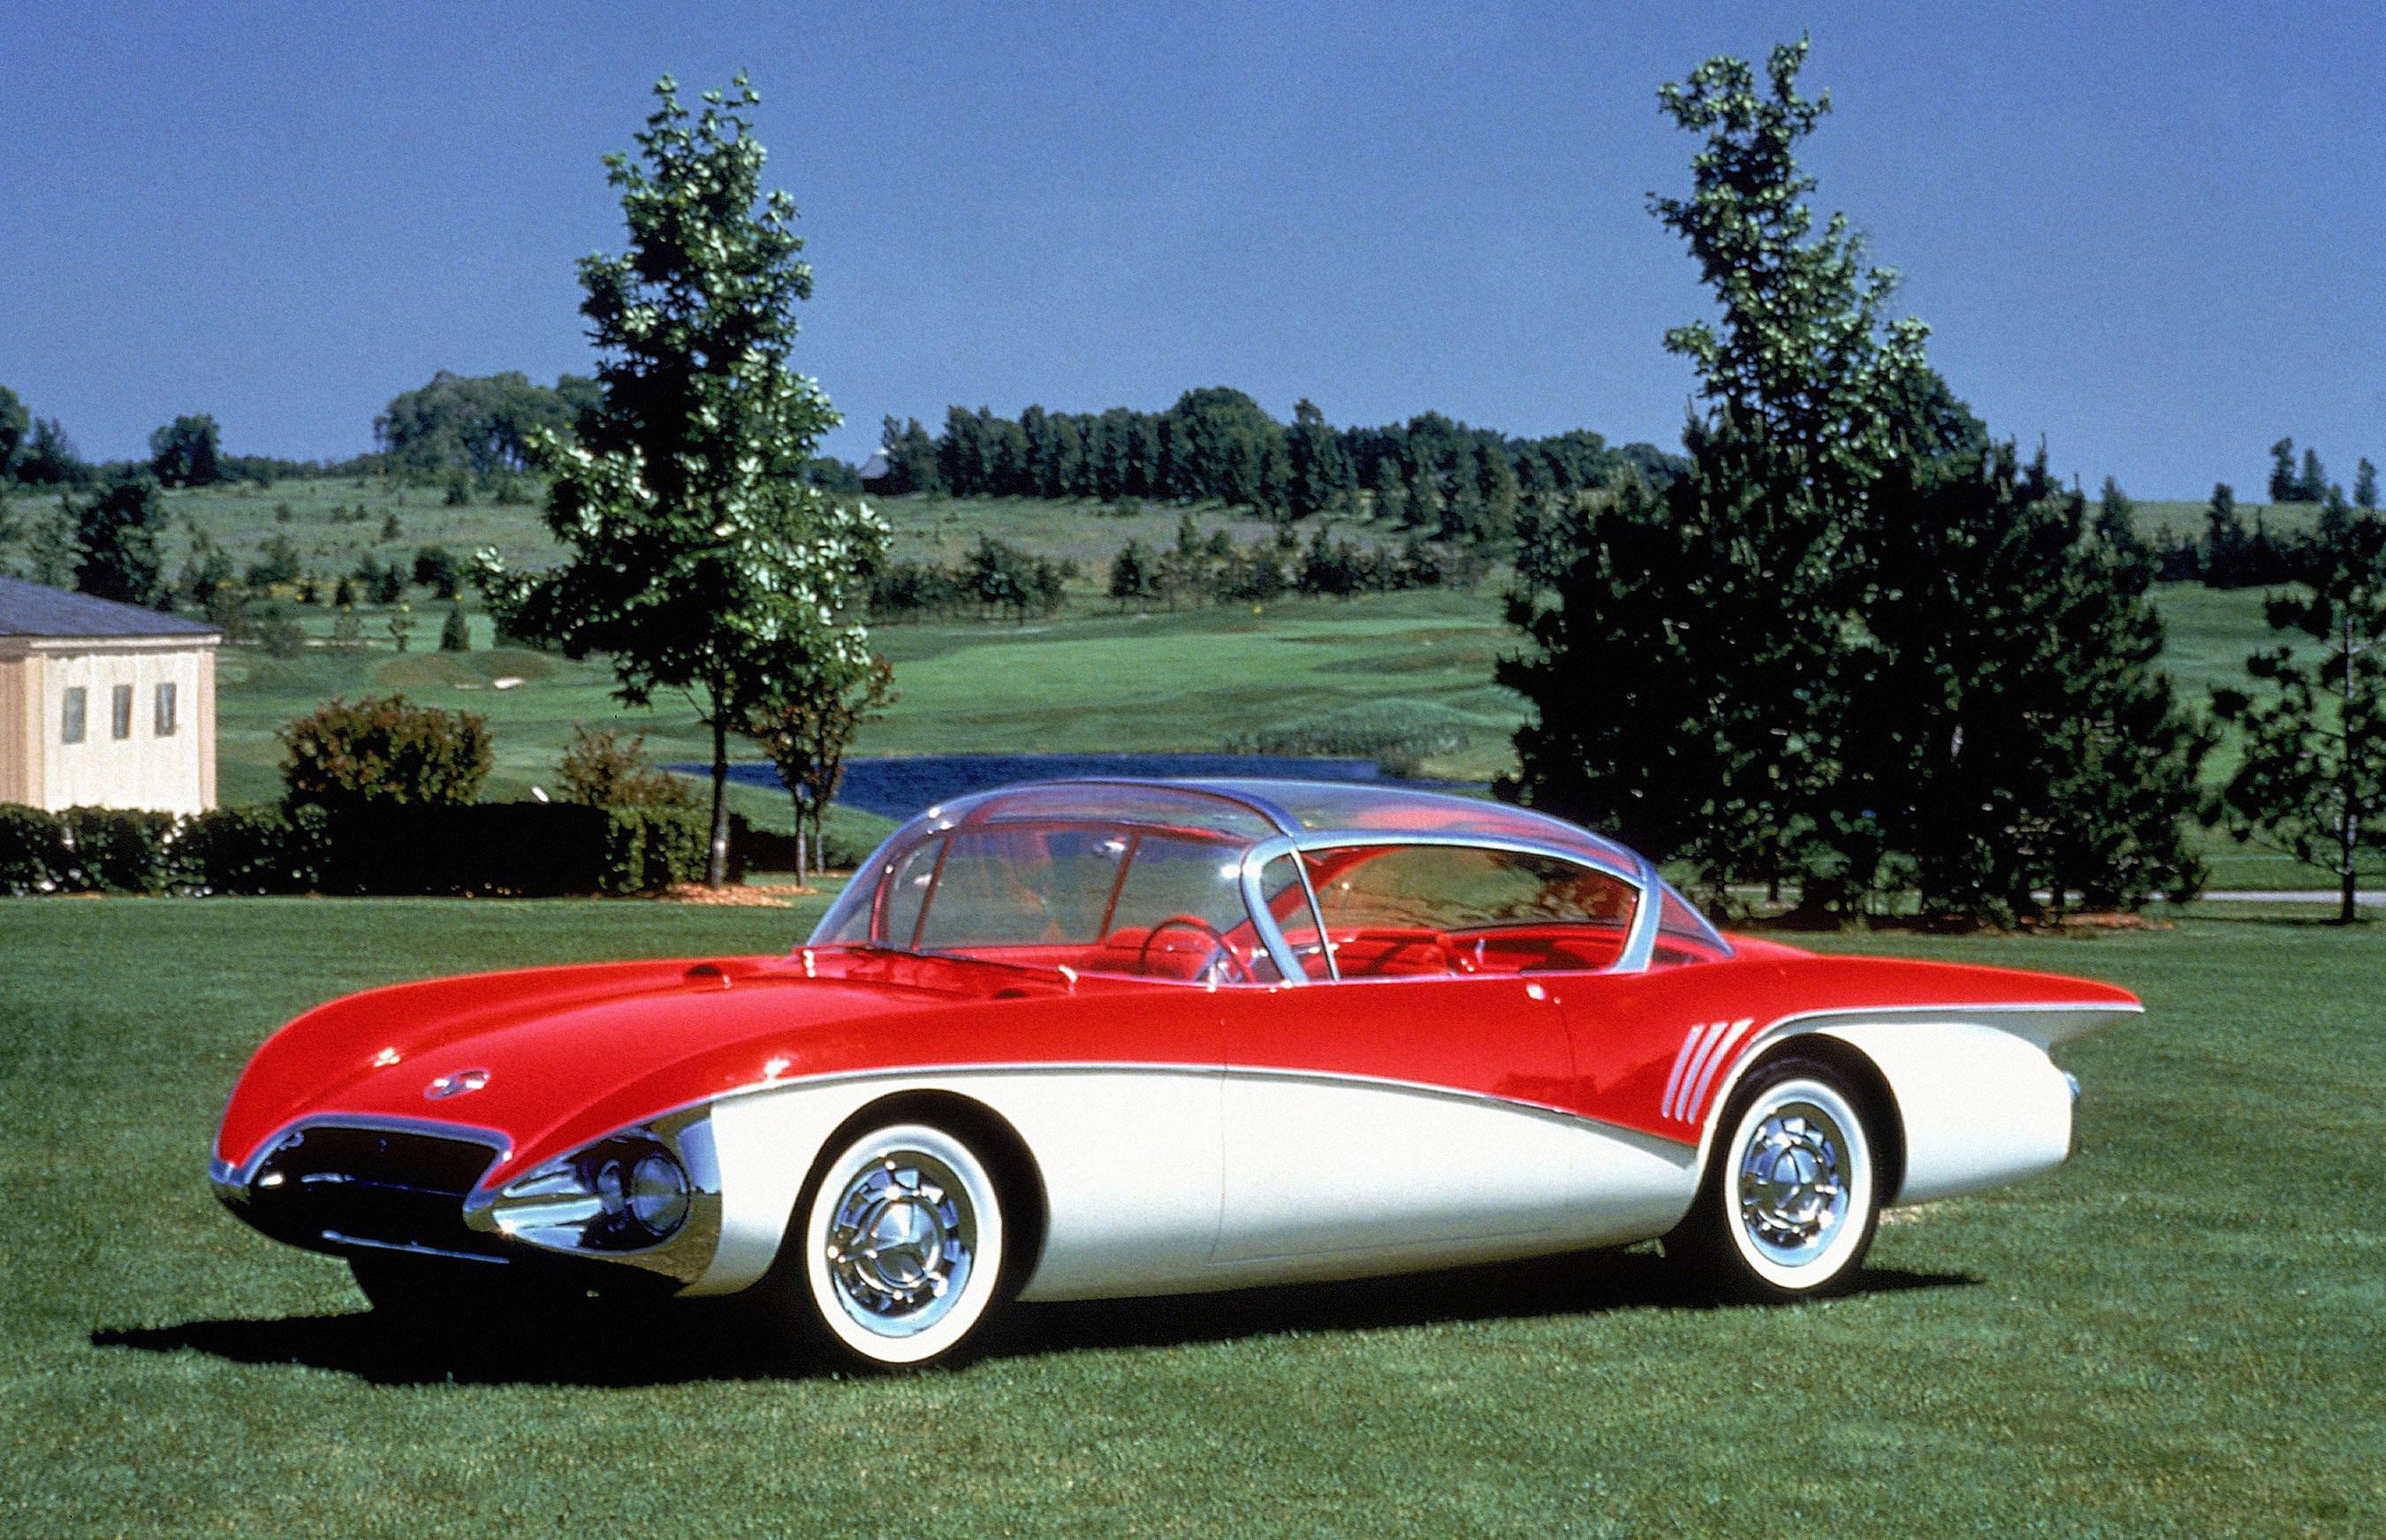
(14, 425)
(697, 557)
(1132, 575)
(456, 635)
(2228, 548)
(2283, 483)
(2365, 487)
(1320, 473)
(2312, 486)
(2312, 779)
(2030, 747)
(1391, 492)
(2116, 526)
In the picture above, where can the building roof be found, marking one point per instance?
(31, 609)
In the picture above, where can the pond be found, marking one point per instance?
(898, 786)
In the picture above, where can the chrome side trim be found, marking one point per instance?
(967, 1071)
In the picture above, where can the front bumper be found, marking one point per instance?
(344, 1185)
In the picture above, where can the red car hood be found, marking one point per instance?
(570, 1054)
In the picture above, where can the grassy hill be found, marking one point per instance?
(1317, 675)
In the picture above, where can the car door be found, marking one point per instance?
(1408, 1104)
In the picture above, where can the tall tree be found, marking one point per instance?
(698, 558)
(2312, 486)
(2312, 779)
(1321, 475)
(14, 425)
(115, 535)
(187, 452)
(1801, 376)
(2030, 747)
(2365, 486)
(2116, 525)
(2283, 483)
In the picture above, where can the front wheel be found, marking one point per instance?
(902, 1247)
(1792, 1194)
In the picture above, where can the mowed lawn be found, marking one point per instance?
(2182, 1333)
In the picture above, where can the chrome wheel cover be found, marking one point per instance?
(901, 1243)
(1794, 1184)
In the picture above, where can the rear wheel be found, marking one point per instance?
(1792, 1196)
(899, 1248)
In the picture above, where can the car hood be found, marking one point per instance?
(547, 1058)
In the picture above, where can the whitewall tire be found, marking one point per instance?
(1792, 1196)
(901, 1246)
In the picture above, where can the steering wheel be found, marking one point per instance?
(1221, 949)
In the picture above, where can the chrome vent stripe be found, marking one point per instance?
(1708, 1033)
(1715, 1061)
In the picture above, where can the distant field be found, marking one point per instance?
(1089, 680)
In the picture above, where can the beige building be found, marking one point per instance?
(104, 704)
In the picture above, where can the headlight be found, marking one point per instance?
(622, 1194)
(657, 1194)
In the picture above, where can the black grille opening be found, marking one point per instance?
(323, 1186)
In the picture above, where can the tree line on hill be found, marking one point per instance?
(1218, 443)
(2229, 553)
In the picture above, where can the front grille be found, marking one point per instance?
(326, 1187)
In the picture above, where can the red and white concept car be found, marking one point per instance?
(1085, 1039)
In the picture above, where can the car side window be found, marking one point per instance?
(1437, 908)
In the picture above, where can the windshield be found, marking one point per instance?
(1097, 894)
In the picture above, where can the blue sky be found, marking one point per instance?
(2155, 235)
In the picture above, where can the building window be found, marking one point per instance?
(119, 712)
(165, 710)
(70, 721)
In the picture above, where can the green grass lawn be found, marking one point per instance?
(2182, 1333)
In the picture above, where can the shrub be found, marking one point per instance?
(34, 854)
(117, 849)
(523, 850)
(603, 769)
(344, 755)
(456, 635)
(251, 850)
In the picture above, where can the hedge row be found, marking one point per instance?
(514, 848)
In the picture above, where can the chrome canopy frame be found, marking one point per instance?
(1293, 839)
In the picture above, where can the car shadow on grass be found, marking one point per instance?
(614, 1346)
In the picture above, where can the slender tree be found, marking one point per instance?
(2313, 781)
(1801, 376)
(14, 425)
(2311, 485)
(698, 558)
(806, 731)
(2285, 486)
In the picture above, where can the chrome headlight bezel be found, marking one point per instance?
(588, 1203)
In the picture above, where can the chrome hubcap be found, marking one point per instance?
(1793, 1184)
(902, 1244)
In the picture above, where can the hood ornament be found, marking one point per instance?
(455, 1085)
